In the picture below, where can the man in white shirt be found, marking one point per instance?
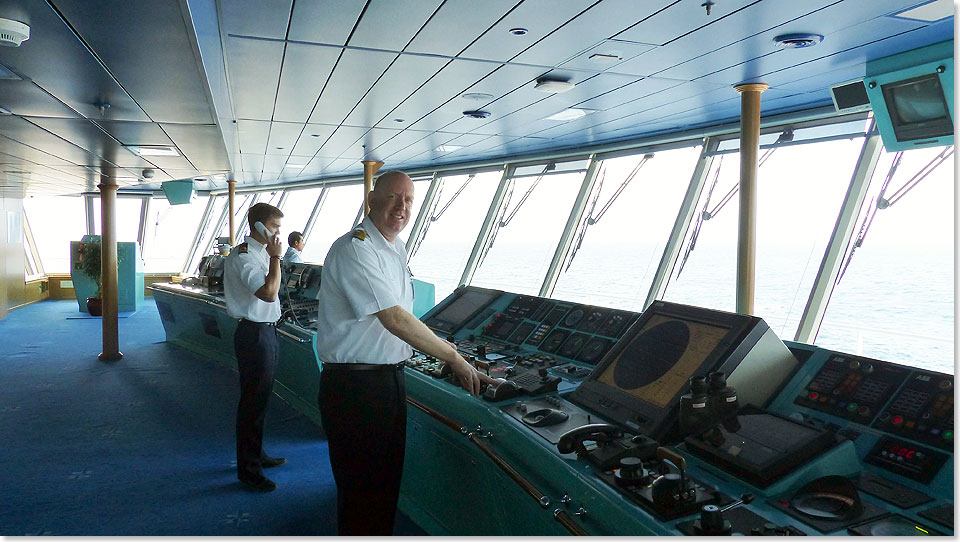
(294, 248)
(365, 331)
(251, 283)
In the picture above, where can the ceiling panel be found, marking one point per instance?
(538, 17)
(679, 18)
(161, 53)
(283, 137)
(201, 145)
(345, 141)
(325, 21)
(253, 135)
(314, 136)
(136, 133)
(261, 18)
(252, 163)
(621, 50)
(405, 20)
(601, 21)
(306, 69)
(60, 64)
(395, 143)
(457, 24)
(26, 98)
(356, 72)
(400, 80)
(253, 68)
(32, 135)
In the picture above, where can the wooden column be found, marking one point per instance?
(747, 232)
(231, 191)
(370, 168)
(108, 269)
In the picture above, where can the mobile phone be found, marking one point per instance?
(263, 230)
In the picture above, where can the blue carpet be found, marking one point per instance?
(142, 446)
(81, 315)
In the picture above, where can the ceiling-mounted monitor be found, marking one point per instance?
(912, 97)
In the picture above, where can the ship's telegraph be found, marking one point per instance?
(709, 404)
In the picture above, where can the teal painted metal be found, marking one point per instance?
(424, 297)
(130, 277)
(178, 192)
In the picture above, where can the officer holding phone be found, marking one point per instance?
(251, 284)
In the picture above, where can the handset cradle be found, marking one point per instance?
(572, 441)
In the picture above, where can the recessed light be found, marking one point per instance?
(604, 58)
(518, 31)
(279, 148)
(555, 86)
(797, 41)
(294, 166)
(929, 12)
(571, 114)
(154, 151)
(478, 96)
(448, 148)
(476, 114)
(399, 120)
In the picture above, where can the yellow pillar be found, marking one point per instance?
(749, 154)
(108, 269)
(231, 191)
(370, 168)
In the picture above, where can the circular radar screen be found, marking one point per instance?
(594, 350)
(651, 354)
(554, 340)
(593, 320)
(573, 317)
(573, 345)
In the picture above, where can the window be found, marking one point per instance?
(336, 217)
(530, 225)
(420, 187)
(55, 220)
(297, 208)
(800, 189)
(219, 207)
(895, 300)
(446, 244)
(168, 233)
(127, 213)
(618, 256)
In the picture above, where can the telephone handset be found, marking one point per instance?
(572, 441)
(263, 230)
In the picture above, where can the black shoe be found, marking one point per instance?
(262, 483)
(269, 462)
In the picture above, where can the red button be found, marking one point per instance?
(814, 395)
(897, 420)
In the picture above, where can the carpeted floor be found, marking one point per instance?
(142, 446)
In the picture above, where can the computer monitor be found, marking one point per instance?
(459, 308)
(638, 383)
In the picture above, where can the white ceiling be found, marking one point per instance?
(279, 91)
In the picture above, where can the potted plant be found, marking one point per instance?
(89, 263)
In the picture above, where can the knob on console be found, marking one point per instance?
(712, 522)
(631, 472)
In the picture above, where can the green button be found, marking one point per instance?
(851, 407)
(948, 435)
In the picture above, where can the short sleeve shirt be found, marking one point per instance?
(363, 274)
(292, 255)
(244, 272)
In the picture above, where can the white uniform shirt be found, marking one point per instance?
(362, 275)
(244, 272)
(292, 255)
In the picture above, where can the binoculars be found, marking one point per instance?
(710, 402)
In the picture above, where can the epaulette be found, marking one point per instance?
(360, 234)
(242, 248)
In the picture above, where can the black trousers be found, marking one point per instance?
(256, 348)
(364, 414)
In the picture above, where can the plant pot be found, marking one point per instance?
(95, 306)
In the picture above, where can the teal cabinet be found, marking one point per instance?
(129, 277)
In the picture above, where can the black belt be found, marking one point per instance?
(271, 324)
(362, 366)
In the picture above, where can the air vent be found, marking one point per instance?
(476, 114)
(797, 41)
(13, 33)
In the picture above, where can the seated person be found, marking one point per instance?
(294, 247)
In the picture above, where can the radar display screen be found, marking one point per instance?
(659, 360)
(573, 345)
(458, 312)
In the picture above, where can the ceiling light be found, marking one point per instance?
(13, 33)
(929, 12)
(603, 58)
(571, 114)
(554, 86)
(476, 114)
(479, 96)
(797, 41)
(154, 151)
(398, 120)
(518, 31)
(295, 166)
(448, 148)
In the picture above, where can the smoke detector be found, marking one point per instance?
(554, 86)
(13, 33)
